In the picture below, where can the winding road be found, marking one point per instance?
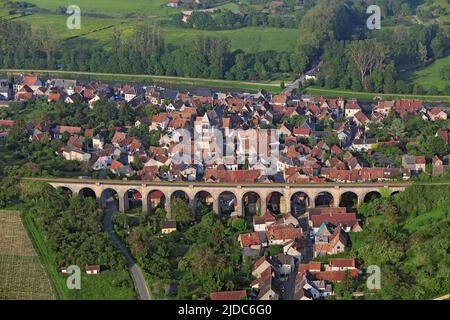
(135, 271)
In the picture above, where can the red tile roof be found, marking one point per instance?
(6, 123)
(250, 239)
(229, 295)
(311, 266)
(341, 262)
(118, 137)
(302, 131)
(348, 219)
(71, 130)
(89, 133)
(115, 165)
(232, 176)
(420, 160)
(337, 276)
(283, 232)
(29, 80)
(54, 97)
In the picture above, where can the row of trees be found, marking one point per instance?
(226, 20)
(143, 52)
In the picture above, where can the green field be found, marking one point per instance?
(430, 75)
(424, 219)
(116, 8)
(108, 285)
(371, 96)
(115, 15)
(249, 39)
(22, 275)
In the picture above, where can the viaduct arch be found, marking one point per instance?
(304, 195)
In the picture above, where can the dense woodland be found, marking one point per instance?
(406, 235)
(203, 256)
(332, 32)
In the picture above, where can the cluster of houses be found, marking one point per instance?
(326, 233)
(304, 155)
(306, 281)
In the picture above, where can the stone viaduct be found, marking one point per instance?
(102, 189)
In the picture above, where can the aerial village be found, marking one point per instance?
(310, 233)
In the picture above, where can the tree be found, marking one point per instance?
(389, 79)
(239, 225)
(440, 44)
(180, 211)
(137, 163)
(397, 129)
(9, 191)
(422, 53)
(444, 72)
(367, 55)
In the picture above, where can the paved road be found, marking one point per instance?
(135, 271)
(294, 85)
(289, 285)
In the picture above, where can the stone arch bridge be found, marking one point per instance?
(263, 192)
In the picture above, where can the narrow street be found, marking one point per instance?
(289, 284)
(135, 271)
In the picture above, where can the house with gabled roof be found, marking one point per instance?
(415, 164)
(260, 223)
(351, 108)
(438, 166)
(253, 240)
(284, 264)
(60, 130)
(269, 289)
(338, 242)
(340, 264)
(335, 276)
(159, 121)
(437, 113)
(279, 234)
(262, 265)
(361, 119)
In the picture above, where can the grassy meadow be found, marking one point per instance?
(430, 75)
(103, 16)
(371, 96)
